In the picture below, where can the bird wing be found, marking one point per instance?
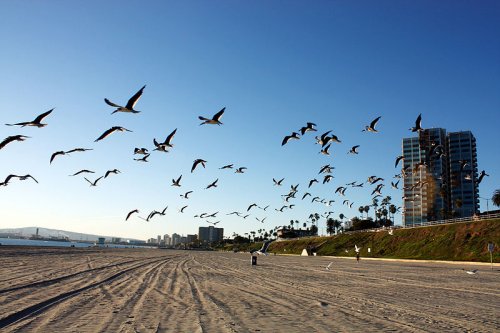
(374, 122)
(30, 176)
(95, 181)
(111, 103)
(106, 133)
(133, 100)
(55, 154)
(170, 136)
(130, 213)
(285, 140)
(219, 114)
(43, 115)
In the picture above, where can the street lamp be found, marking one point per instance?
(487, 204)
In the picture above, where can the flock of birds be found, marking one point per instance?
(289, 198)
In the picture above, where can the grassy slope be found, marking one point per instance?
(459, 241)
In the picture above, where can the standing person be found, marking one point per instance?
(357, 256)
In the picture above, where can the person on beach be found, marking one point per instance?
(357, 256)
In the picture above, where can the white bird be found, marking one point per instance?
(354, 150)
(356, 248)
(391, 232)
(472, 272)
(307, 128)
(263, 249)
(167, 143)
(328, 267)
(215, 119)
(130, 104)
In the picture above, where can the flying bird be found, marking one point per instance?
(115, 171)
(167, 143)
(215, 119)
(294, 135)
(185, 195)
(240, 170)
(130, 104)
(95, 181)
(78, 150)
(251, 206)
(143, 159)
(182, 209)
(418, 123)
(12, 138)
(228, 166)
(325, 151)
(328, 267)
(140, 151)
(57, 153)
(354, 150)
(196, 162)
(9, 177)
(111, 130)
(82, 171)
(309, 127)
(471, 272)
(481, 176)
(399, 158)
(278, 182)
(130, 213)
(263, 249)
(356, 248)
(214, 184)
(177, 182)
(37, 122)
(371, 128)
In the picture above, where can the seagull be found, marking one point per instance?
(399, 158)
(471, 272)
(395, 185)
(325, 169)
(177, 182)
(263, 249)
(481, 176)
(305, 195)
(182, 209)
(130, 213)
(111, 130)
(294, 135)
(263, 208)
(240, 170)
(327, 179)
(140, 151)
(185, 195)
(57, 153)
(215, 118)
(262, 221)
(163, 211)
(166, 144)
(228, 166)
(251, 206)
(115, 171)
(152, 214)
(82, 171)
(214, 184)
(356, 248)
(312, 181)
(324, 151)
(307, 128)
(196, 162)
(9, 177)
(78, 150)
(278, 182)
(391, 232)
(95, 181)
(354, 150)
(130, 104)
(418, 123)
(37, 122)
(9, 139)
(328, 267)
(143, 159)
(323, 139)
(371, 128)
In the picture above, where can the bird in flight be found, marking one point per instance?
(399, 158)
(196, 162)
(325, 151)
(95, 181)
(111, 130)
(418, 123)
(115, 171)
(78, 150)
(263, 249)
(215, 119)
(354, 150)
(140, 151)
(472, 272)
(130, 213)
(251, 206)
(328, 267)
(228, 166)
(312, 181)
(186, 195)
(278, 182)
(309, 127)
(182, 209)
(130, 104)
(371, 128)
(214, 184)
(12, 138)
(143, 159)
(240, 170)
(37, 122)
(177, 182)
(57, 153)
(294, 135)
(167, 143)
(9, 177)
(82, 171)
(481, 176)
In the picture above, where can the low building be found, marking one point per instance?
(210, 234)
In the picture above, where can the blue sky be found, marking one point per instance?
(274, 65)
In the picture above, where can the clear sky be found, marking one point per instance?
(274, 65)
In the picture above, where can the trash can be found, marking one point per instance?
(254, 260)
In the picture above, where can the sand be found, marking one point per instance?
(132, 290)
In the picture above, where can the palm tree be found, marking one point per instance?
(361, 210)
(330, 226)
(392, 210)
(496, 198)
(342, 216)
(375, 205)
(367, 209)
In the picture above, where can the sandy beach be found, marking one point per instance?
(134, 290)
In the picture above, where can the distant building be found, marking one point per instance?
(167, 240)
(192, 238)
(176, 239)
(439, 176)
(210, 234)
(116, 240)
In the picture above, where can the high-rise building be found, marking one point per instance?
(210, 234)
(440, 176)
